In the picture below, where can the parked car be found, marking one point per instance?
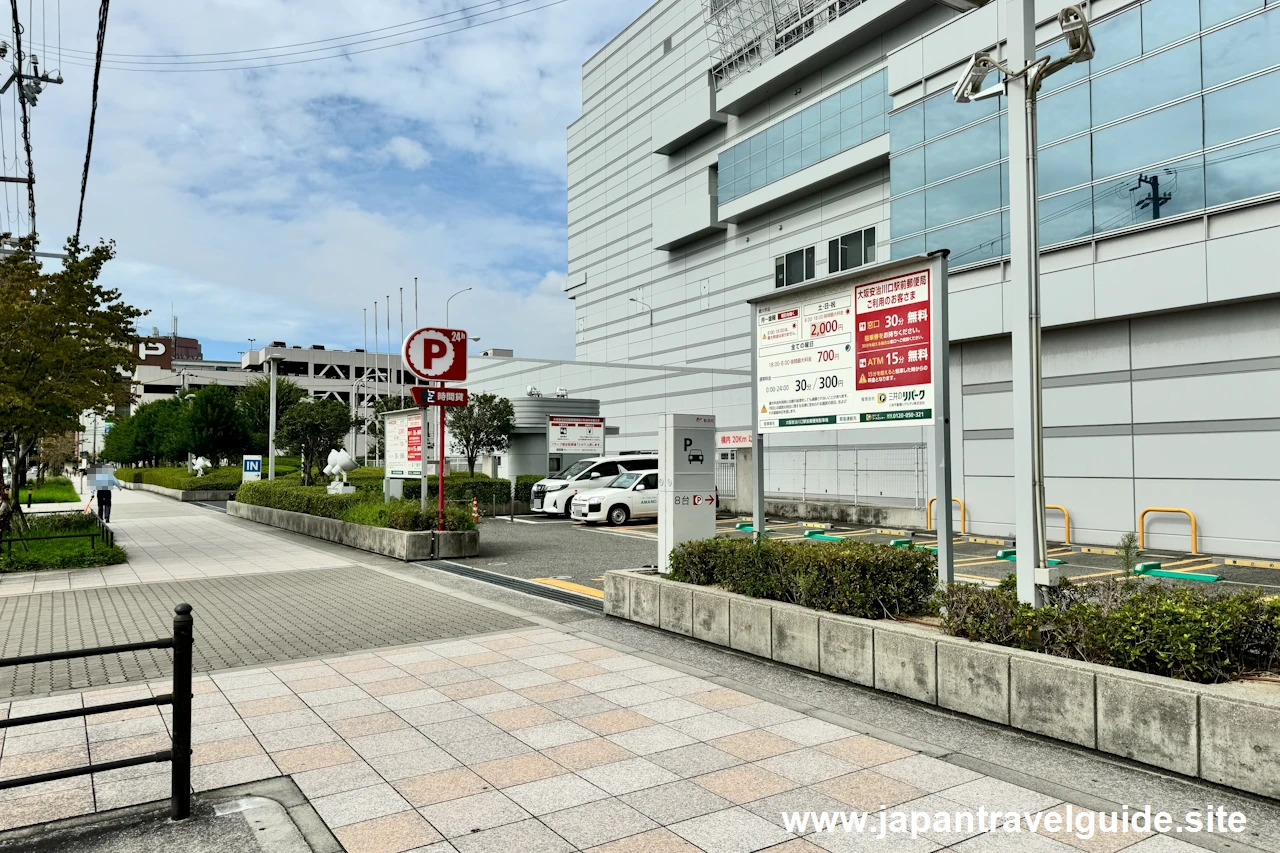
(630, 495)
(553, 495)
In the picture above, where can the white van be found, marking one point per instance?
(630, 495)
(554, 495)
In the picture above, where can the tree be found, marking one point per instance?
(311, 430)
(120, 445)
(254, 402)
(57, 452)
(216, 425)
(156, 432)
(484, 425)
(67, 345)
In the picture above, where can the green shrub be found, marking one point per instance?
(457, 517)
(53, 490)
(1177, 631)
(225, 478)
(362, 507)
(524, 486)
(852, 578)
(55, 554)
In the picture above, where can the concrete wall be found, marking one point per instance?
(400, 544)
(179, 495)
(1222, 733)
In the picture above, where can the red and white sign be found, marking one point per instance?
(576, 435)
(892, 339)
(730, 440)
(439, 354)
(424, 396)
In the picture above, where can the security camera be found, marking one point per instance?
(531, 391)
(1076, 28)
(969, 88)
(562, 393)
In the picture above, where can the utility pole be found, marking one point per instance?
(272, 361)
(402, 338)
(1157, 200)
(377, 354)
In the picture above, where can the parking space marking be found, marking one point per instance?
(570, 586)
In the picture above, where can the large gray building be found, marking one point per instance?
(730, 147)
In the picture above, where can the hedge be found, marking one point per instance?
(361, 507)
(58, 553)
(524, 486)
(1175, 631)
(227, 477)
(851, 578)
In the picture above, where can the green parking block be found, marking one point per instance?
(1011, 554)
(747, 528)
(1153, 570)
(900, 543)
(822, 537)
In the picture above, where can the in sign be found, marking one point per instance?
(439, 354)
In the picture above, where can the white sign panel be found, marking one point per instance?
(846, 356)
(251, 469)
(575, 435)
(686, 482)
(734, 440)
(406, 444)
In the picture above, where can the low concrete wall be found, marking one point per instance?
(1225, 733)
(178, 495)
(400, 544)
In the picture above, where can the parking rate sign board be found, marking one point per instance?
(405, 444)
(848, 355)
(575, 435)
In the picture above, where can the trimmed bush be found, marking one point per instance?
(227, 477)
(54, 554)
(1175, 631)
(850, 578)
(524, 486)
(362, 507)
(53, 490)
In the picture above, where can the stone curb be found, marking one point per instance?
(1224, 733)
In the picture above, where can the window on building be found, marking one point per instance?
(794, 267)
(666, 45)
(852, 250)
(1176, 112)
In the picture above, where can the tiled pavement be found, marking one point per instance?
(240, 621)
(169, 541)
(527, 741)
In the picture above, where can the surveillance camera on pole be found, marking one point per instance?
(969, 88)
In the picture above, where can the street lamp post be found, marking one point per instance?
(446, 305)
(273, 361)
(647, 307)
(1022, 88)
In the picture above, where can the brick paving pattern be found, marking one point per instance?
(240, 621)
(528, 741)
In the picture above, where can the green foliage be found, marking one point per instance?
(462, 487)
(363, 507)
(224, 478)
(1176, 631)
(1130, 554)
(54, 490)
(216, 427)
(59, 553)
(311, 430)
(524, 486)
(254, 403)
(67, 346)
(156, 433)
(851, 578)
(484, 425)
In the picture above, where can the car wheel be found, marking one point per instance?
(568, 509)
(618, 515)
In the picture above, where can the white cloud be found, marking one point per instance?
(408, 153)
(278, 204)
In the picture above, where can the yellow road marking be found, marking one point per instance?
(1110, 552)
(1183, 562)
(1191, 568)
(572, 587)
(1097, 575)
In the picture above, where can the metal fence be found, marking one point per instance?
(180, 752)
(726, 475)
(882, 475)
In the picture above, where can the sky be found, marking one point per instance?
(280, 203)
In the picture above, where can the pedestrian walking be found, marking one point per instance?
(104, 504)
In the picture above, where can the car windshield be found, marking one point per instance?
(574, 470)
(627, 480)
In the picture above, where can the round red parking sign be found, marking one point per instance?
(439, 354)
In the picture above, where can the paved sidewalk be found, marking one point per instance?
(525, 741)
(167, 541)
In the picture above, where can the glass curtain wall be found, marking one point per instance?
(1179, 110)
(824, 129)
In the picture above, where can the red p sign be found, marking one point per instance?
(437, 354)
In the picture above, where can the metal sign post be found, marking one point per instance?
(439, 355)
(858, 350)
(686, 482)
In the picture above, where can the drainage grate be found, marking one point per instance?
(542, 591)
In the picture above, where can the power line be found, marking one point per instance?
(26, 118)
(89, 53)
(93, 113)
(337, 55)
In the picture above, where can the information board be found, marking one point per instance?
(406, 444)
(848, 355)
(581, 436)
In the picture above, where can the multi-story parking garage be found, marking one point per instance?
(730, 147)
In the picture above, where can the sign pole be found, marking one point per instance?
(940, 333)
(422, 498)
(440, 468)
(757, 446)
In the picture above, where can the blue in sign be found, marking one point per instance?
(253, 466)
